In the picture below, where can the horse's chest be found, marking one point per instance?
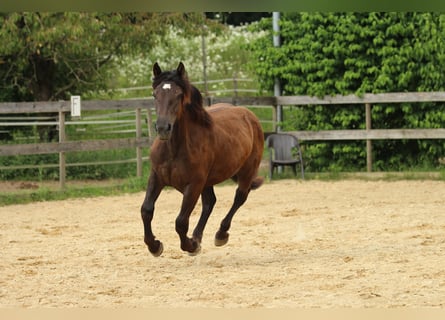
(173, 173)
(169, 170)
(180, 169)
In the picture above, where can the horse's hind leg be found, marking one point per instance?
(208, 202)
(147, 209)
(247, 180)
(222, 236)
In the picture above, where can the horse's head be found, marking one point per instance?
(171, 92)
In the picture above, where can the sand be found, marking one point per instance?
(294, 243)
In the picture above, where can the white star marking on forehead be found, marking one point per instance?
(166, 86)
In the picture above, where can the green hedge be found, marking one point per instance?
(355, 53)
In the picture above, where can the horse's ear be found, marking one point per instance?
(156, 69)
(181, 69)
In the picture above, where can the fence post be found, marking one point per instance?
(150, 123)
(138, 148)
(62, 158)
(274, 118)
(235, 86)
(368, 141)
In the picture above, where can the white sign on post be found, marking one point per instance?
(75, 106)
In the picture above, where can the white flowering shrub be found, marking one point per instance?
(226, 58)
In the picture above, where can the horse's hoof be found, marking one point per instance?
(194, 253)
(221, 242)
(159, 251)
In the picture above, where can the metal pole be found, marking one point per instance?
(277, 43)
(277, 86)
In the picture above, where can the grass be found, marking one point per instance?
(77, 190)
(373, 176)
(88, 189)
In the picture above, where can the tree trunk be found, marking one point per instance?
(42, 88)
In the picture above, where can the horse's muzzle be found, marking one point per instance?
(163, 128)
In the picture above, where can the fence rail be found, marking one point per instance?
(391, 97)
(61, 108)
(374, 134)
(232, 88)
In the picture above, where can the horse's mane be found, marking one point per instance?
(192, 100)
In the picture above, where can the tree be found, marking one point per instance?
(48, 56)
(353, 53)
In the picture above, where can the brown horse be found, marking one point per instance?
(197, 148)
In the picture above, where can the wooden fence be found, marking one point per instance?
(368, 134)
(62, 108)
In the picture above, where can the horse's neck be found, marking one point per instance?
(184, 136)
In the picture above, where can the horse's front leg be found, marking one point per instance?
(153, 190)
(190, 197)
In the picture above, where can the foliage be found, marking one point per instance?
(48, 56)
(355, 53)
(226, 54)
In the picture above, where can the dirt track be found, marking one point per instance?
(293, 244)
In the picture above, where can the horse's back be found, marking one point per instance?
(234, 119)
(227, 112)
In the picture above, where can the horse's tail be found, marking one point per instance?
(256, 183)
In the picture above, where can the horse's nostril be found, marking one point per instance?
(163, 127)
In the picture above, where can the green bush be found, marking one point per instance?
(355, 53)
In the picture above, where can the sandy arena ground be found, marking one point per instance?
(293, 244)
